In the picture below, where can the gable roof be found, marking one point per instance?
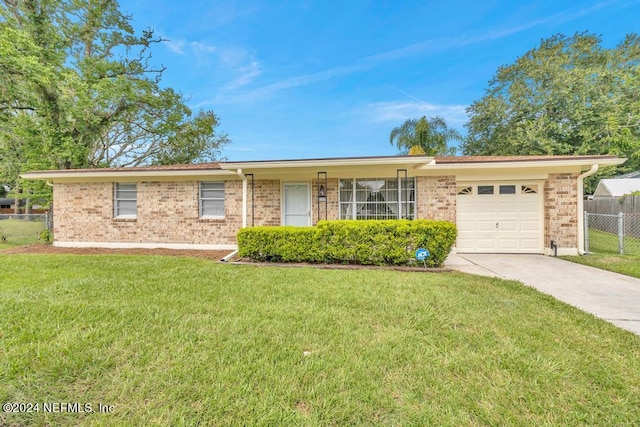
(617, 187)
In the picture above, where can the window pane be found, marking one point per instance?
(212, 185)
(126, 208)
(213, 194)
(126, 186)
(485, 189)
(212, 199)
(507, 189)
(125, 199)
(126, 191)
(212, 208)
(377, 198)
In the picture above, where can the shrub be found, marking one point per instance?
(389, 242)
(45, 236)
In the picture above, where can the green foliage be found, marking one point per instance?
(416, 150)
(46, 236)
(389, 242)
(432, 135)
(570, 95)
(78, 90)
(286, 244)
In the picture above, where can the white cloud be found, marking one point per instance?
(175, 46)
(202, 51)
(246, 75)
(398, 112)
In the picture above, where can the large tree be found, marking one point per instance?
(570, 95)
(78, 89)
(431, 134)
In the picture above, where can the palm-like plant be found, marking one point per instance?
(432, 135)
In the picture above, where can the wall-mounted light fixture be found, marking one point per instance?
(322, 193)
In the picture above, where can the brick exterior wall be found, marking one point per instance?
(436, 197)
(560, 210)
(168, 212)
(266, 210)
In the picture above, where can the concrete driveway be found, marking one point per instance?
(610, 296)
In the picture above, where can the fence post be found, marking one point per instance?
(621, 232)
(586, 232)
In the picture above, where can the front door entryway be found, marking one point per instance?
(296, 204)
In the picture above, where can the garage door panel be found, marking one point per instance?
(506, 226)
(488, 208)
(464, 226)
(504, 208)
(507, 245)
(485, 225)
(530, 244)
(518, 217)
(486, 244)
(529, 225)
(529, 207)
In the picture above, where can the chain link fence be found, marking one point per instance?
(612, 233)
(25, 229)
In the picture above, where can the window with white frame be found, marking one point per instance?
(212, 199)
(125, 200)
(377, 198)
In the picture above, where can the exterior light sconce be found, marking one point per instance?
(322, 196)
(322, 193)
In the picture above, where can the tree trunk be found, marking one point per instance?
(16, 207)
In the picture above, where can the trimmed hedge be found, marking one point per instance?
(389, 242)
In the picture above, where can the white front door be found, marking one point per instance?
(296, 204)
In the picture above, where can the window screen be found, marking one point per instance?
(125, 204)
(212, 199)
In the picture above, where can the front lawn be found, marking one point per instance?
(183, 341)
(604, 254)
(623, 264)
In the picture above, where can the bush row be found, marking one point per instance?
(374, 242)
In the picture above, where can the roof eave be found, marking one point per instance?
(75, 175)
(577, 162)
(415, 161)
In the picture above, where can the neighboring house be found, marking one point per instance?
(616, 187)
(500, 204)
(9, 203)
(6, 203)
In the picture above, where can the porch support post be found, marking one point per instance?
(244, 197)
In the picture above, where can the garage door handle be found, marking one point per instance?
(496, 225)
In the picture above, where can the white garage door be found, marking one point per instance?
(504, 217)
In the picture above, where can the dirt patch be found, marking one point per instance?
(47, 249)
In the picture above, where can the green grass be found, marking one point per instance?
(182, 341)
(603, 248)
(623, 264)
(603, 243)
(20, 232)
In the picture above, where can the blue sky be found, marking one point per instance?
(306, 79)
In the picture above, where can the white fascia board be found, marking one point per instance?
(416, 161)
(132, 175)
(583, 163)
